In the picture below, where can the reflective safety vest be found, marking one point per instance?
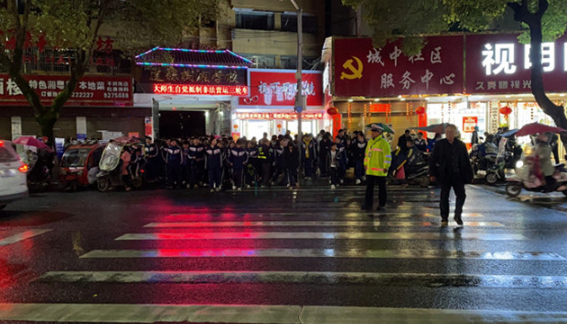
(378, 157)
(262, 155)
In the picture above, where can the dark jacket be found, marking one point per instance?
(278, 156)
(214, 157)
(311, 148)
(450, 161)
(238, 157)
(174, 155)
(339, 159)
(264, 154)
(359, 149)
(291, 159)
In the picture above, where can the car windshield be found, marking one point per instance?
(7, 155)
(75, 157)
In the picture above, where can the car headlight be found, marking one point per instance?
(519, 164)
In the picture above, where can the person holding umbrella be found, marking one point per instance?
(377, 160)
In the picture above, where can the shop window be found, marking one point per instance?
(262, 61)
(290, 62)
(289, 23)
(255, 20)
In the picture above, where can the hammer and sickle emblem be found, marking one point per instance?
(356, 71)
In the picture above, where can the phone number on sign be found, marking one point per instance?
(83, 95)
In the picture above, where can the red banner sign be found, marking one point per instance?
(271, 116)
(201, 90)
(90, 91)
(380, 108)
(278, 88)
(469, 123)
(362, 70)
(500, 64)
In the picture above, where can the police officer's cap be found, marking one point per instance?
(376, 127)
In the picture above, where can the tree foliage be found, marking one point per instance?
(75, 25)
(537, 20)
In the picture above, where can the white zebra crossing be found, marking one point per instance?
(321, 253)
(268, 314)
(22, 236)
(376, 222)
(132, 313)
(319, 236)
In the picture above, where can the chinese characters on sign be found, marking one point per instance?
(469, 123)
(210, 76)
(500, 64)
(278, 88)
(90, 91)
(368, 71)
(271, 116)
(195, 89)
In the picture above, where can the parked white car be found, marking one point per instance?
(13, 176)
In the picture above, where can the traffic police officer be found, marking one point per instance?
(377, 160)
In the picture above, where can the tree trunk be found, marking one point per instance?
(46, 123)
(557, 113)
(533, 20)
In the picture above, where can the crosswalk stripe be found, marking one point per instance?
(324, 253)
(377, 222)
(268, 314)
(319, 236)
(23, 236)
(397, 214)
(319, 277)
(131, 313)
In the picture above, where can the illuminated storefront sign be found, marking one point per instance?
(91, 91)
(469, 123)
(500, 64)
(201, 90)
(278, 88)
(270, 116)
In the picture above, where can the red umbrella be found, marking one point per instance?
(31, 141)
(537, 128)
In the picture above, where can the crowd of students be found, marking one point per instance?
(222, 162)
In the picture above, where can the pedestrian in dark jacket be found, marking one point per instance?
(291, 160)
(185, 165)
(278, 161)
(264, 161)
(174, 158)
(309, 155)
(360, 151)
(451, 168)
(334, 160)
(238, 159)
(214, 165)
(324, 148)
(341, 168)
(251, 167)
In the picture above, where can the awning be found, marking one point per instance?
(190, 58)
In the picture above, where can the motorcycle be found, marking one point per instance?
(415, 174)
(525, 179)
(110, 174)
(38, 174)
(507, 160)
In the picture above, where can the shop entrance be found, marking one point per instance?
(180, 124)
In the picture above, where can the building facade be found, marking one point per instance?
(489, 87)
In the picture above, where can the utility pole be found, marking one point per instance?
(299, 101)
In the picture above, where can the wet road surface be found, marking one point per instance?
(280, 256)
